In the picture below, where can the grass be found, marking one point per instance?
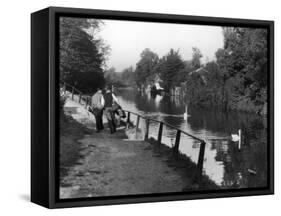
(71, 132)
(183, 165)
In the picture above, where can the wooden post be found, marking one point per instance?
(128, 117)
(147, 129)
(137, 124)
(177, 142)
(79, 98)
(200, 162)
(72, 93)
(160, 133)
(86, 102)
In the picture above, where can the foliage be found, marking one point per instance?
(125, 78)
(146, 66)
(244, 66)
(172, 64)
(81, 54)
(237, 80)
(170, 69)
(203, 88)
(196, 58)
(128, 76)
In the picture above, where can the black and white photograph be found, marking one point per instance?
(140, 107)
(149, 108)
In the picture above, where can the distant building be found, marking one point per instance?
(202, 72)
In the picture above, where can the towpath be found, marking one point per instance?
(113, 165)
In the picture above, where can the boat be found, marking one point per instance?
(156, 89)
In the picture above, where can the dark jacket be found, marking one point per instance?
(108, 99)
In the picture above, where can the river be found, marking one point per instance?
(224, 163)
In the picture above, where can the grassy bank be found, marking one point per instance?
(183, 165)
(70, 132)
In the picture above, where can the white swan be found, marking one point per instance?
(185, 115)
(237, 138)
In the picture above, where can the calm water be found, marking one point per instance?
(223, 163)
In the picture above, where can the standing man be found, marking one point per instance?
(97, 108)
(109, 98)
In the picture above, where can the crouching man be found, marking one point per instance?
(109, 99)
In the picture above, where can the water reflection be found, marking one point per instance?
(223, 162)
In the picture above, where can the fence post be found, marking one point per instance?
(86, 102)
(199, 167)
(177, 142)
(128, 117)
(79, 98)
(72, 92)
(160, 133)
(137, 124)
(147, 129)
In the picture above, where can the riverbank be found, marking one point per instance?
(70, 132)
(211, 97)
(101, 164)
(183, 165)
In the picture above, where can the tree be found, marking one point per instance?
(237, 80)
(203, 86)
(145, 66)
(171, 64)
(182, 75)
(128, 76)
(196, 58)
(111, 77)
(81, 54)
(243, 64)
(120, 79)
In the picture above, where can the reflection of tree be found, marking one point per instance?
(252, 156)
(236, 163)
(221, 147)
(217, 121)
(144, 103)
(177, 122)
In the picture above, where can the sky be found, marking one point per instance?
(128, 39)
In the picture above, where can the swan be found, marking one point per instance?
(185, 115)
(237, 138)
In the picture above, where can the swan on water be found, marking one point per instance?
(237, 138)
(185, 115)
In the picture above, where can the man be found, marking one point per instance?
(97, 108)
(109, 99)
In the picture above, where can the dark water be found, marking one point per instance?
(224, 163)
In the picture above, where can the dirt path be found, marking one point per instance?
(111, 165)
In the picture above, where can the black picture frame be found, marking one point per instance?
(44, 106)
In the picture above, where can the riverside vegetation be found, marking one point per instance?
(235, 80)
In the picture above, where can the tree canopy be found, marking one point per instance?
(172, 64)
(125, 78)
(238, 77)
(146, 66)
(81, 54)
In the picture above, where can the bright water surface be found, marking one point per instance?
(223, 162)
